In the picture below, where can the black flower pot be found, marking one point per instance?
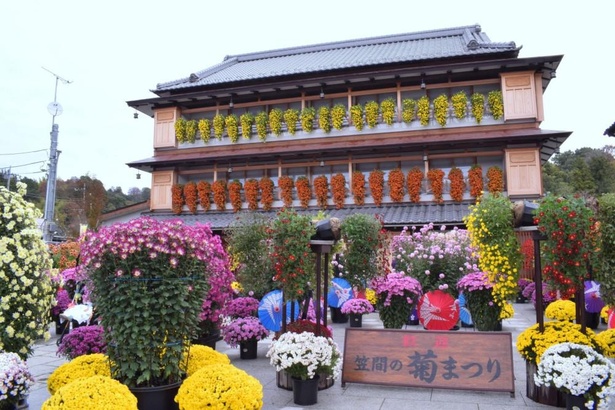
(356, 320)
(248, 350)
(305, 392)
(157, 397)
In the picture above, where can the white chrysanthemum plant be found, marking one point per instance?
(26, 293)
(578, 370)
(305, 355)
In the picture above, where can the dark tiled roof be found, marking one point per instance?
(401, 48)
(393, 215)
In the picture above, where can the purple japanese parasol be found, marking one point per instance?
(593, 301)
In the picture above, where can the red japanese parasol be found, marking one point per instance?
(438, 310)
(611, 321)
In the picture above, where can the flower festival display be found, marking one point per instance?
(437, 259)
(566, 223)
(397, 295)
(26, 292)
(15, 379)
(478, 292)
(82, 340)
(149, 279)
(244, 329)
(197, 356)
(304, 355)
(561, 310)
(490, 224)
(220, 386)
(244, 306)
(93, 393)
(578, 370)
(357, 306)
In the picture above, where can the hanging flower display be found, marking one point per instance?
(219, 190)
(356, 114)
(478, 106)
(436, 182)
(308, 115)
(180, 130)
(204, 189)
(304, 191)
(286, 185)
(358, 187)
(415, 184)
(458, 185)
(190, 196)
(321, 190)
(372, 109)
(275, 121)
(324, 118)
(496, 104)
(246, 120)
(338, 190)
(387, 107)
(231, 122)
(204, 126)
(266, 186)
(490, 224)
(338, 115)
(376, 186)
(475, 177)
(440, 107)
(251, 190)
(291, 116)
(261, 121)
(234, 193)
(423, 110)
(495, 179)
(397, 182)
(407, 111)
(460, 104)
(219, 124)
(177, 198)
(191, 128)
(566, 224)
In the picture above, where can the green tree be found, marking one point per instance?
(581, 177)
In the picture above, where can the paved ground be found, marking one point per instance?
(353, 396)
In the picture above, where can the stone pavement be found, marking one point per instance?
(353, 396)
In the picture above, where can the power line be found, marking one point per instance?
(24, 165)
(25, 152)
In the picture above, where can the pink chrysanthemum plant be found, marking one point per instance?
(158, 272)
(478, 292)
(242, 307)
(397, 294)
(244, 329)
(357, 306)
(15, 379)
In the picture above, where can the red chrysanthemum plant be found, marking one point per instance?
(436, 182)
(415, 184)
(376, 186)
(304, 191)
(177, 198)
(204, 190)
(219, 190)
(234, 193)
(190, 196)
(266, 186)
(286, 185)
(338, 190)
(251, 189)
(321, 190)
(495, 179)
(475, 178)
(396, 182)
(358, 187)
(458, 185)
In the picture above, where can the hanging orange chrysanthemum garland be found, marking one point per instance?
(321, 190)
(177, 198)
(397, 182)
(234, 194)
(266, 186)
(376, 185)
(190, 196)
(219, 190)
(415, 184)
(286, 185)
(495, 179)
(204, 189)
(251, 192)
(304, 191)
(358, 187)
(338, 190)
(475, 177)
(458, 185)
(436, 182)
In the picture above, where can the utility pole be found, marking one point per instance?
(54, 109)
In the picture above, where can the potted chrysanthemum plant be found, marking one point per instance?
(82, 340)
(15, 380)
(355, 308)
(245, 332)
(398, 295)
(149, 279)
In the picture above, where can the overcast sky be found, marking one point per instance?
(113, 52)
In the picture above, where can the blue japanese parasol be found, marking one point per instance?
(339, 292)
(464, 313)
(593, 301)
(270, 310)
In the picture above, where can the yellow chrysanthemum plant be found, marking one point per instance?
(26, 292)
(220, 387)
(96, 364)
(198, 356)
(532, 343)
(490, 224)
(92, 393)
(605, 312)
(561, 310)
(607, 338)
